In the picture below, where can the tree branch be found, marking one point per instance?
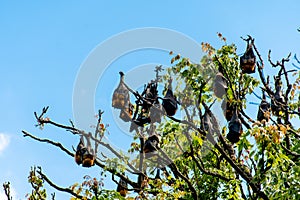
(57, 144)
(6, 187)
(67, 190)
(42, 121)
(177, 172)
(261, 74)
(247, 177)
(227, 78)
(295, 154)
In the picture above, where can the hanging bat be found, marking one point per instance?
(169, 101)
(228, 109)
(210, 123)
(151, 144)
(151, 92)
(220, 85)
(120, 99)
(80, 151)
(88, 157)
(126, 113)
(156, 113)
(247, 61)
(263, 109)
(152, 97)
(277, 105)
(122, 187)
(235, 128)
(140, 121)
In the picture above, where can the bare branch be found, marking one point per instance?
(278, 63)
(247, 117)
(261, 74)
(6, 187)
(74, 130)
(249, 39)
(67, 190)
(57, 144)
(26, 134)
(69, 128)
(53, 196)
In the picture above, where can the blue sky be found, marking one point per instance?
(43, 45)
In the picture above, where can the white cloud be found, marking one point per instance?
(4, 142)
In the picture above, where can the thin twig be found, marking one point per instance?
(6, 187)
(59, 145)
(261, 74)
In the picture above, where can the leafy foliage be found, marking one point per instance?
(194, 159)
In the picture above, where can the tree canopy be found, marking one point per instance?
(181, 149)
